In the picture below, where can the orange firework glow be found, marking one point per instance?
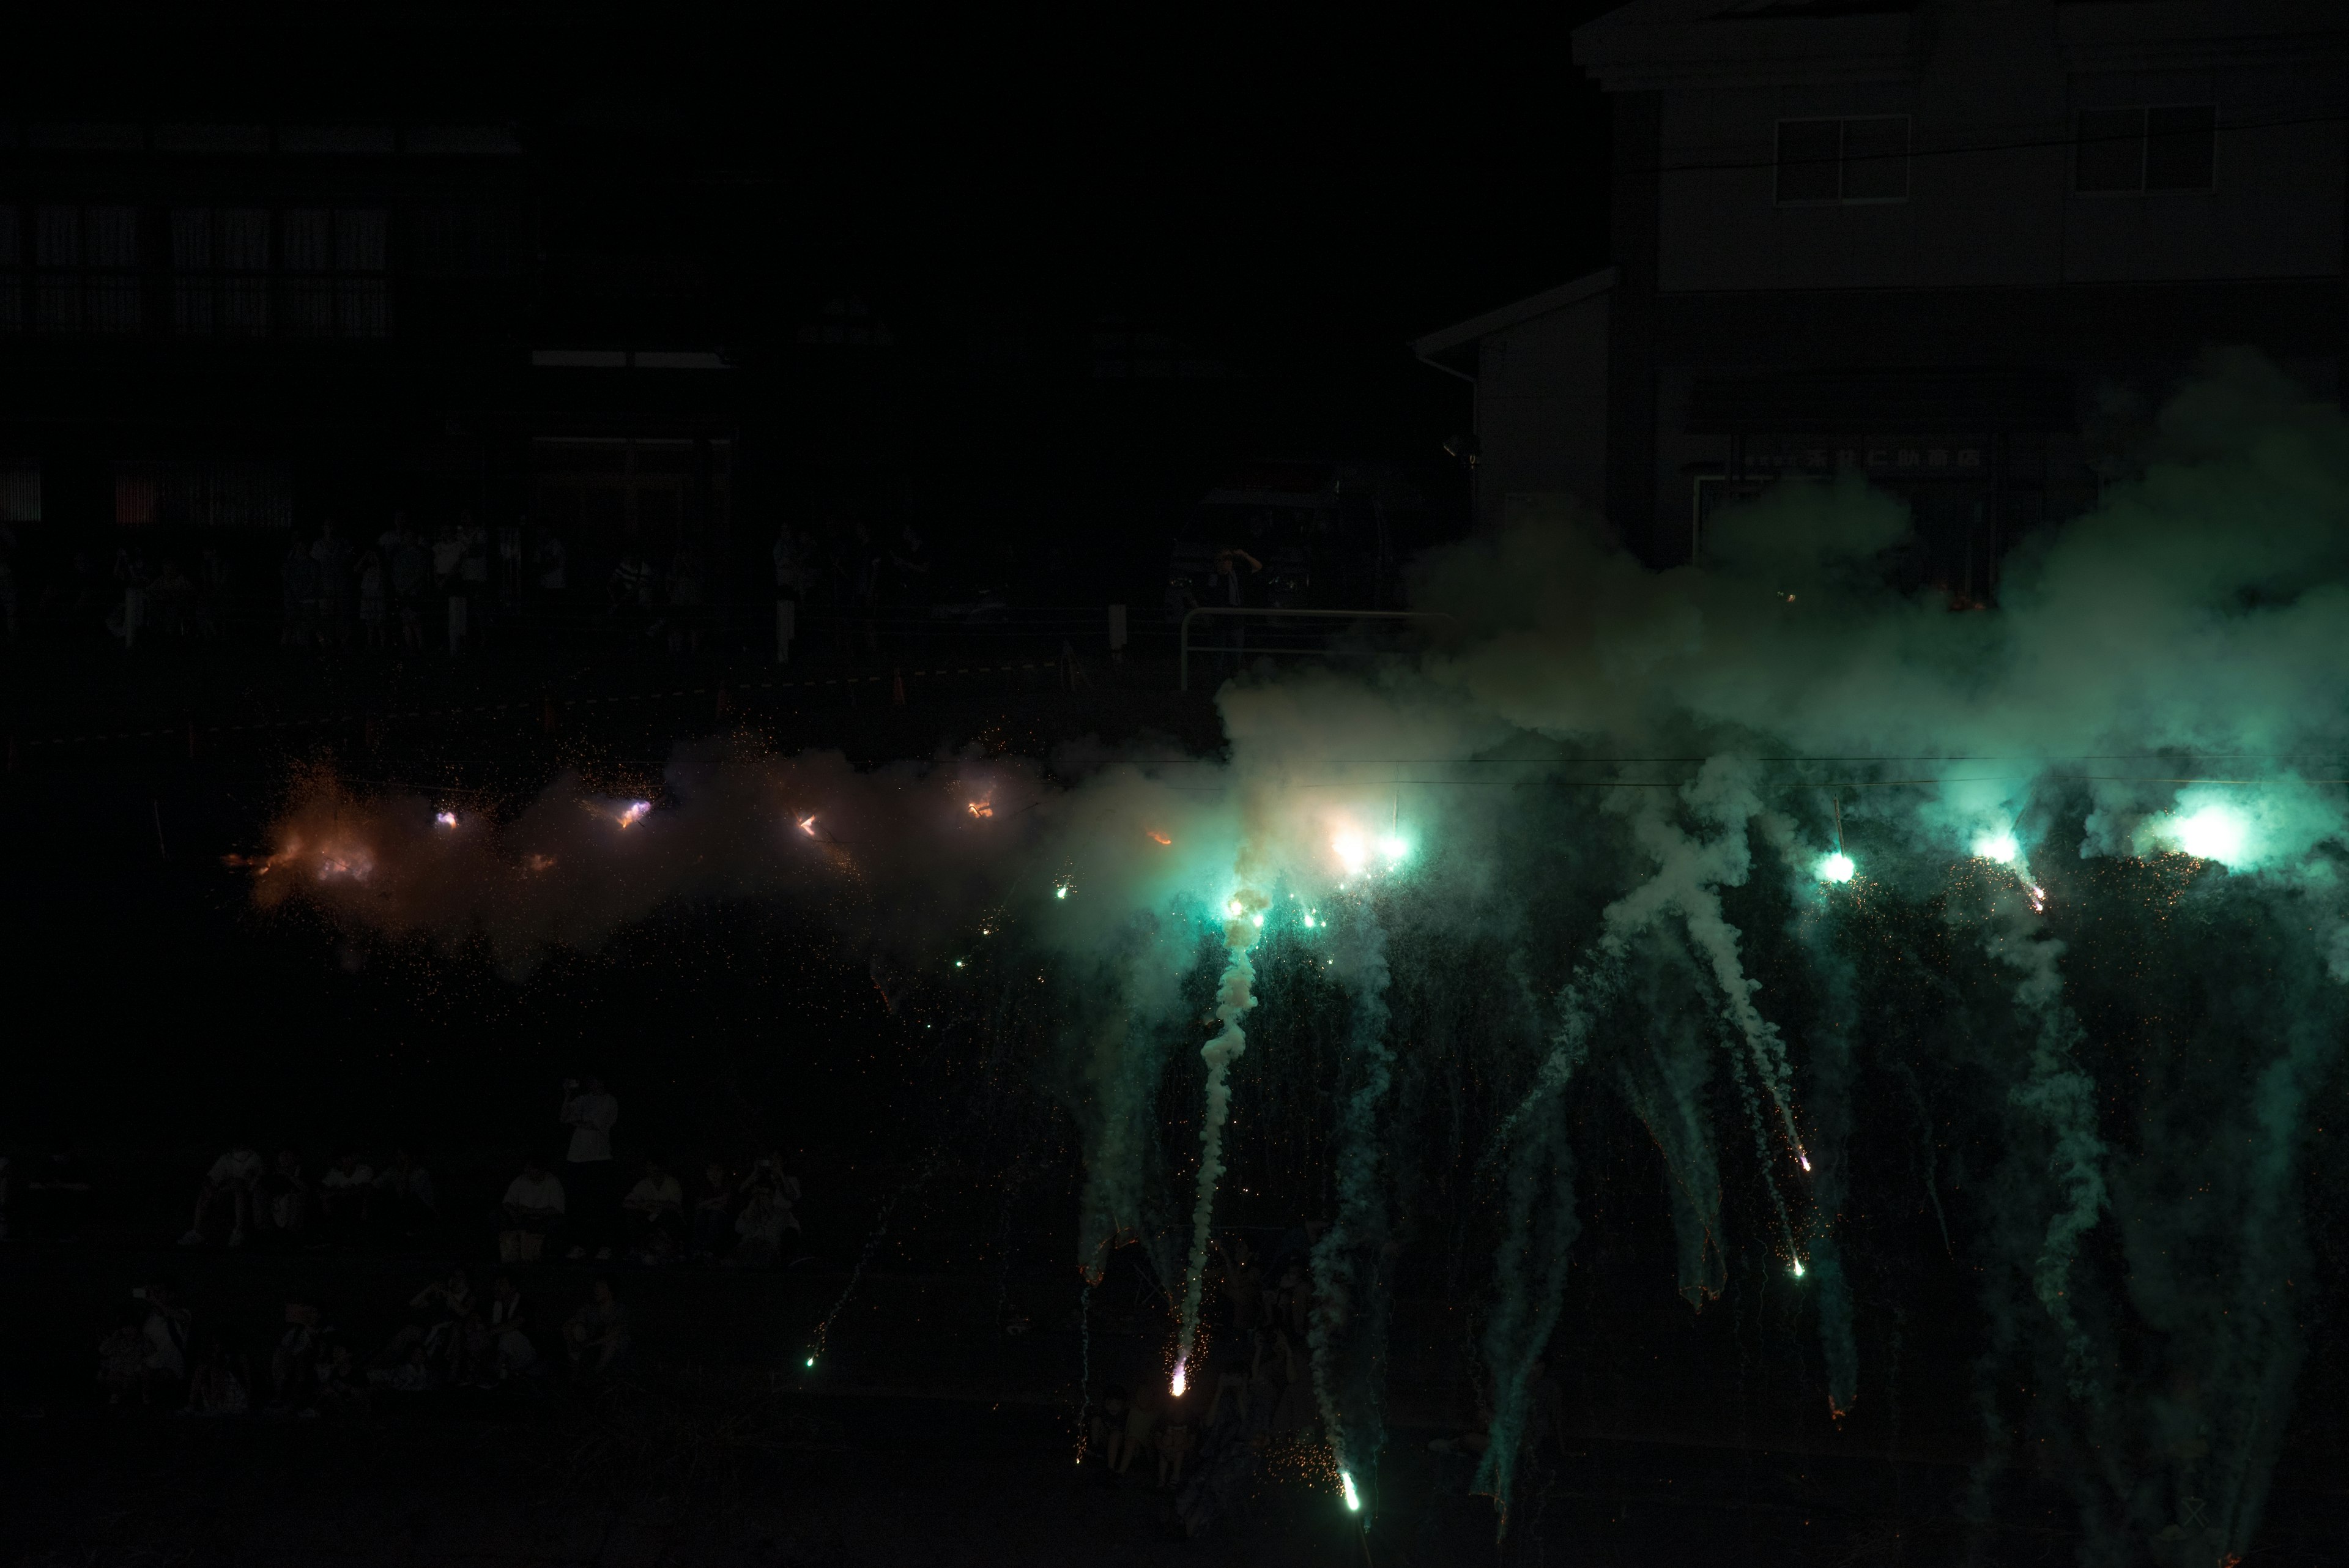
(1157, 838)
(807, 825)
(982, 809)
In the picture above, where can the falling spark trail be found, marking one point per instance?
(1233, 1002)
(871, 1245)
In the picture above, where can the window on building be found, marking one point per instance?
(203, 496)
(20, 492)
(12, 272)
(606, 491)
(1843, 160)
(219, 271)
(1121, 351)
(333, 283)
(86, 269)
(2167, 147)
(468, 242)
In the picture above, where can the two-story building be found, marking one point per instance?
(1960, 245)
(212, 331)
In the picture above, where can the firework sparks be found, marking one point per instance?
(445, 819)
(1159, 838)
(1837, 868)
(981, 808)
(1353, 1497)
(807, 825)
(633, 813)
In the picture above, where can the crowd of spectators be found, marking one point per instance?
(454, 585)
(451, 1334)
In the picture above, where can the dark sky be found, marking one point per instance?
(1380, 178)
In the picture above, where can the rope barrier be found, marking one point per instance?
(192, 728)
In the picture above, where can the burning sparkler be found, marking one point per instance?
(807, 825)
(634, 813)
(445, 819)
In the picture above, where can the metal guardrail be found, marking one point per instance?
(1183, 657)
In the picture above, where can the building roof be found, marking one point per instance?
(1650, 45)
(1453, 348)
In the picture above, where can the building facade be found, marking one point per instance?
(1958, 246)
(210, 333)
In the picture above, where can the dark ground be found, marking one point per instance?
(926, 1435)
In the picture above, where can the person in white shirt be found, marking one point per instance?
(163, 1339)
(590, 1113)
(533, 1208)
(234, 1179)
(343, 1194)
(655, 1205)
(509, 1327)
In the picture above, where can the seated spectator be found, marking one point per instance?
(293, 1365)
(343, 1194)
(713, 1213)
(403, 1206)
(654, 1208)
(597, 1334)
(431, 1342)
(1174, 1447)
(221, 1383)
(123, 1355)
(760, 1226)
(1141, 1417)
(163, 1366)
(339, 1387)
(509, 1327)
(1107, 1428)
(533, 1212)
(282, 1207)
(232, 1184)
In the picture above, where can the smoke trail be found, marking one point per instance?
(1359, 1232)
(1829, 1079)
(1536, 1236)
(1233, 999)
(1120, 1070)
(2058, 1093)
(1665, 1086)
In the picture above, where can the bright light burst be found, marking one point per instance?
(1353, 1497)
(2213, 833)
(1061, 892)
(1350, 852)
(1837, 868)
(1182, 1380)
(445, 819)
(1999, 847)
(807, 825)
(634, 813)
(1798, 1268)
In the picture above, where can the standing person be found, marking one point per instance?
(533, 1212)
(372, 585)
(411, 576)
(336, 585)
(298, 583)
(554, 562)
(590, 1114)
(233, 1180)
(473, 572)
